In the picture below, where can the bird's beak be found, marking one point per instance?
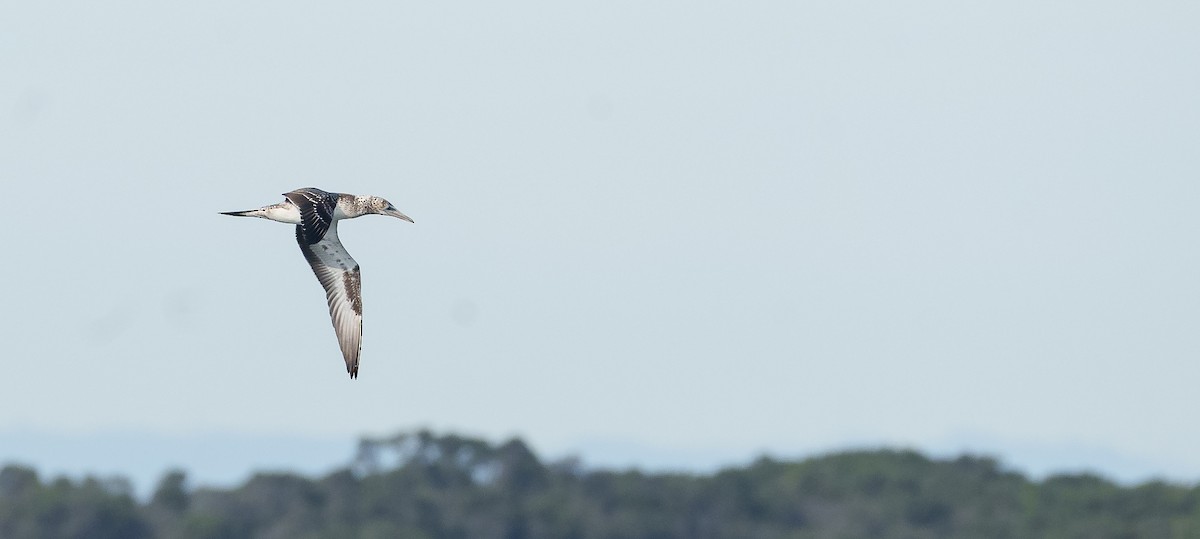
(396, 213)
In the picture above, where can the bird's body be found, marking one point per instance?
(315, 214)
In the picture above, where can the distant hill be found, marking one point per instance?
(422, 485)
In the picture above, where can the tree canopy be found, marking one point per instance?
(425, 486)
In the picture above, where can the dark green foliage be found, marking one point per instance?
(171, 494)
(422, 486)
(90, 509)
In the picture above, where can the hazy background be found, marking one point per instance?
(660, 234)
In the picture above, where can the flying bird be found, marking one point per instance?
(316, 214)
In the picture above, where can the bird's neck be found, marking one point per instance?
(351, 206)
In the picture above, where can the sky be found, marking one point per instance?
(657, 234)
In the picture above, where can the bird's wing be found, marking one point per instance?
(316, 211)
(338, 273)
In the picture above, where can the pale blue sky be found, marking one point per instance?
(704, 231)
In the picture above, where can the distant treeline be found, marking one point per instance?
(424, 486)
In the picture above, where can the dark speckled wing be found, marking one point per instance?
(339, 274)
(316, 211)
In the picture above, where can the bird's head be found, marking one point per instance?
(383, 207)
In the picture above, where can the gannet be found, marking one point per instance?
(316, 214)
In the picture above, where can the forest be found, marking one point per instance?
(422, 485)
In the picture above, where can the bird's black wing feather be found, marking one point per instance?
(316, 211)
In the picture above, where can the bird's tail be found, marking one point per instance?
(247, 213)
